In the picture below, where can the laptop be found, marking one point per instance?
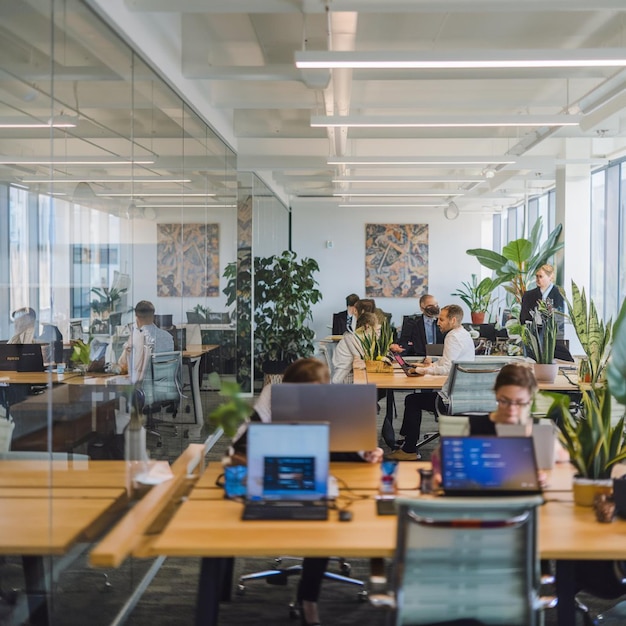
(488, 466)
(349, 409)
(406, 367)
(21, 357)
(288, 468)
(543, 434)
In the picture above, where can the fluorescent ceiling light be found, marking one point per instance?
(418, 161)
(126, 179)
(483, 121)
(186, 206)
(412, 179)
(405, 194)
(140, 194)
(73, 161)
(37, 125)
(388, 206)
(461, 59)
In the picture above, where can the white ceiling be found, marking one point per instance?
(234, 61)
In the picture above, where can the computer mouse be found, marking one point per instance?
(345, 516)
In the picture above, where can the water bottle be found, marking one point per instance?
(135, 450)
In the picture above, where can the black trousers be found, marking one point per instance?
(414, 404)
(311, 578)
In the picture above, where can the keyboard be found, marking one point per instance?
(300, 510)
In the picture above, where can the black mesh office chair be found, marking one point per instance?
(161, 389)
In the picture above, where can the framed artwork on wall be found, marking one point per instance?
(396, 260)
(188, 260)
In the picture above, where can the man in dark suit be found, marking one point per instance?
(420, 329)
(346, 320)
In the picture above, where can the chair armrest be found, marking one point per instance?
(383, 601)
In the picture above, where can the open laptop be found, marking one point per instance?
(543, 435)
(21, 357)
(287, 472)
(407, 368)
(349, 409)
(488, 466)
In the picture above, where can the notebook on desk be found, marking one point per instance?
(485, 466)
(287, 472)
(349, 409)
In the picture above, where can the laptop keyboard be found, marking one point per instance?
(285, 511)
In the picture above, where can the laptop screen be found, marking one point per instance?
(287, 461)
(488, 465)
(349, 409)
(21, 357)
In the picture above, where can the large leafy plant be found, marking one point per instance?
(478, 296)
(594, 335)
(233, 411)
(519, 261)
(284, 291)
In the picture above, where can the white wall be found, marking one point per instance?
(342, 267)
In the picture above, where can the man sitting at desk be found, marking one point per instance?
(145, 340)
(420, 330)
(457, 346)
(346, 320)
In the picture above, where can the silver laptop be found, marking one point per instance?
(288, 468)
(349, 409)
(544, 437)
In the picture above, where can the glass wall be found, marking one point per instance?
(112, 191)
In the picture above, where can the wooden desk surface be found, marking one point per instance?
(399, 380)
(45, 474)
(193, 351)
(36, 378)
(111, 493)
(37, 526)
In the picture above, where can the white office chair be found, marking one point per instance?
(466, 559)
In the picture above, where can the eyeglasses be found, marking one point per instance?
(507, 402)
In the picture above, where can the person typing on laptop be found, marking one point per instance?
(308, 370)
(457, 346)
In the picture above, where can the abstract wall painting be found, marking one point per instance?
(188, 260)
(396, 260)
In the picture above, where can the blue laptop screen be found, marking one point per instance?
(288, 461)
(488, 464)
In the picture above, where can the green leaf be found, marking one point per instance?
(518, 251)
(488, 258)
(616, 370)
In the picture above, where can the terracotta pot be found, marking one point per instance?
(546, 372)
(478, 318)
(585, 489)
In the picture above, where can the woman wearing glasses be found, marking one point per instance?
(515, 388)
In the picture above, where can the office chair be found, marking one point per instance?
(161, 388)
(464, 559)
(468, 389)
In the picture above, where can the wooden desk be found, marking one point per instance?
(35, 378)
(210, 527)
(192, 356)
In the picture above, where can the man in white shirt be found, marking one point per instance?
(457, 346)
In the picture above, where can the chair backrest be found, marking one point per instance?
(467, 557)
(469, 387)
(434, 349)
(163, 380)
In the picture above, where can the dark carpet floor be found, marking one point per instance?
(85, 596)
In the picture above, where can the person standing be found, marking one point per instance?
(346, 320)
(545, 289)
(457, 346)
(420, 330)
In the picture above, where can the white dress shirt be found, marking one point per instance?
(457, 346)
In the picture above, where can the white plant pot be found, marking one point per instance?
(546, 372)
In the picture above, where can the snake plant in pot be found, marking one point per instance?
(539, 337)
(375, 344)
(592, 434)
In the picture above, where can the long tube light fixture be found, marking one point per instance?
(390, 206)
(139, 194)
(394, 194)
(124, 179)
(429, 161)
(186, 206)
(404, 179)
(483, 121)
(73, 161)
(461, 59)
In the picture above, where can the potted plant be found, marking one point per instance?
(375, 347)
(233, 411)
(477, 296)
(594, 439)
(593, 334)
(284, 291)
(81, 354)
(539, 337)
(516, 267)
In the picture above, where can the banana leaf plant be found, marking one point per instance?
(520, 259)
(478, 296)
(593, 334)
